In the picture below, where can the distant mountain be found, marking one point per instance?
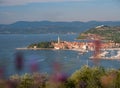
(22, 27)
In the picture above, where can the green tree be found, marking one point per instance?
(26, 81)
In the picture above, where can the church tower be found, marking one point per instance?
(58, 40)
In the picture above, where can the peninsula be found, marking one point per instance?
(66, 45)
(104, 33)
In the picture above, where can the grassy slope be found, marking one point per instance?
(106, 32)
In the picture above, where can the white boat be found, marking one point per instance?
(103, 54)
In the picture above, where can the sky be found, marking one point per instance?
(59, 10)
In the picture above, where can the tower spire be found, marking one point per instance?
(58, 40)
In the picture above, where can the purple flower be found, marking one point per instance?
(19, 61)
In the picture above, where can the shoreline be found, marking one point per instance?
(111, 49)
(25, 48)
(104, 58)
(40, 49)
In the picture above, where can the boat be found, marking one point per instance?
(100, 56)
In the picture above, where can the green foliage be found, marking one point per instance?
(36, 80)
(26, 81)
(41, 45)
(117, 81)
(116, 37)
(108, 33)
(40, 80)
(69, 84)
(81, 37)
(86, 77)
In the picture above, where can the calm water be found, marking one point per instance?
(69, 60)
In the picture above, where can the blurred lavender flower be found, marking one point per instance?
(19, 61)
(33, 63)
(97, 45)
(1, 72)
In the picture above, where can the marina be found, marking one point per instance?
(104, 56)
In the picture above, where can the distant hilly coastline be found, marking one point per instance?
(103, 32)
(40, 27)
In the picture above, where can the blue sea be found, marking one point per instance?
(69, 60)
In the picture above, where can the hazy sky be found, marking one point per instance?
(59, 10)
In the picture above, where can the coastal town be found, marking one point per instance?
(91, 45)
(97, 46)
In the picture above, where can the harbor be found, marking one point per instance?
(104, 55)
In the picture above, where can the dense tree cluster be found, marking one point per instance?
(86, 77)
(41, 45)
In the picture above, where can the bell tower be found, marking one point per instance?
(58, 40)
